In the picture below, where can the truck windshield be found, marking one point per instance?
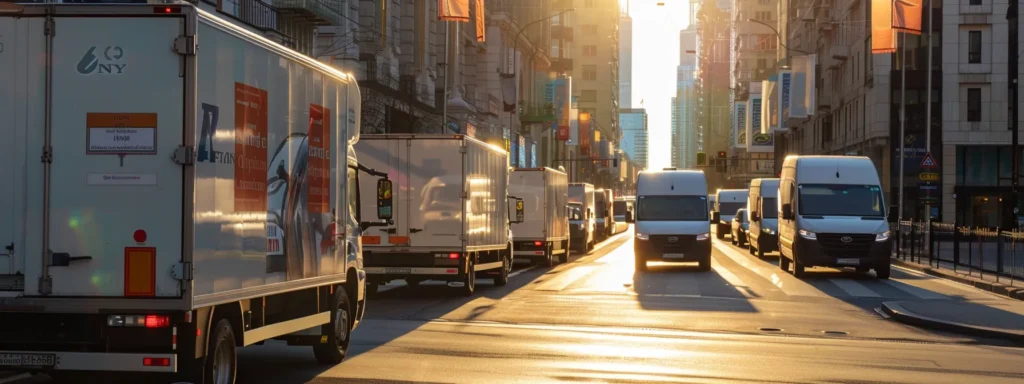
(769, 208)
(731, 207)
(840, 200)
(672, 208)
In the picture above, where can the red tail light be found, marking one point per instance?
(538, 243)
(156, 362)
(453, 256)
(167, 10)
(158, 321)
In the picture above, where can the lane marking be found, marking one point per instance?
(789, 285)
(853, 288)
(732, 279)
(521, 271)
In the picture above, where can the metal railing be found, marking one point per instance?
(975, 251)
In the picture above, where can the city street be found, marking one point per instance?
(595, 320)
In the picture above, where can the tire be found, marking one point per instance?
(221, 355)
(335, 336)
(799, 270)
(564, 257)
(883, 271)
(719, 232)
(502, 279)
(760, 253)
(733, 239)
(704, 265)
(783, 263)
(549, 257)
(469, 281)
(640, 263)
(750, 248)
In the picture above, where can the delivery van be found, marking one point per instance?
(671, 222)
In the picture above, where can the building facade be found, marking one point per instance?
(713, 21)
(634, 135)
(684, 119)
(625, 60)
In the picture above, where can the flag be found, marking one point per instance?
(481, 29)
(453, 10)
(883, 37)
(906, 16)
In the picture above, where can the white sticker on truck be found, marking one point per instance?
(121, 133)
(121, 179)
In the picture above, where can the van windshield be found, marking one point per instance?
(769, 208)
(840, 200)
(672, 208)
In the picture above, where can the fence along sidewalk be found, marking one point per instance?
(980, 251)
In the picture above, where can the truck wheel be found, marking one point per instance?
(221, 355)
(883, 271)
(334, 336)
(641, 264)
(549, 256)
(502, 279)
(564, 257)
(705, 265)
(469, 281)
(783, 263)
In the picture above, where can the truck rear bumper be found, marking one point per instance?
(95, 361)
(454, 270)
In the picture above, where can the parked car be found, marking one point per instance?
(740, 227)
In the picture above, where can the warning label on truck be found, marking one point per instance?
(250, 148)
(319, 173)
(120, 133)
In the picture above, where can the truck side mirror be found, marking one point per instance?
(787, 211)
(520, 211)
(629, 217)
(384, 203)
(893, 215)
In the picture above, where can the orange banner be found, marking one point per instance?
(453, 10)
(883, 37)
(906, 16)
(481, 29)
(250, 149)
(319, 164)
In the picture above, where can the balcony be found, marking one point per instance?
(839, 52)
(530, 113)
(318, 12)
(252, 12)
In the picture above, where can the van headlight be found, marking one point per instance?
(704, 236)
(882, 236)
(808, 235)
(642, 236)
(768, 231)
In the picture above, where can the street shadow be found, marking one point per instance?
(658, 289)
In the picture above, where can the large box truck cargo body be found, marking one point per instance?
(544, 233)
(451, 216)
(186, 197)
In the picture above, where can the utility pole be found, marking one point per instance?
(903, 118)
(928, 121)
(1013, 69)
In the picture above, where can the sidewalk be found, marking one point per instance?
(1004, 320)
(1000, 285)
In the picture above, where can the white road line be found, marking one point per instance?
(14, 378)
(854, 288)
(789, 285)
(521, 271)
(729, 277)
(918, 292)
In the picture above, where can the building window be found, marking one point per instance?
(589, 50)
(973, 104)
(589, 29)
(974, 47)
(588, 96)
(763, 16)
(975, 2)
(589, 72)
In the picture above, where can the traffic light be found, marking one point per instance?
(702, 159)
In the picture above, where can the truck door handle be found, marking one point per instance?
(415, 230)
(64, 259)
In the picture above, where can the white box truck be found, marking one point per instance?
(451, 216)
(544, 233)
(188, 202)
(583, 232)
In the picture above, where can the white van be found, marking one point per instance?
(727, 202)
(832, 213)
(763, 216)
(671, 218)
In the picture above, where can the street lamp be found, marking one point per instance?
(779, 36)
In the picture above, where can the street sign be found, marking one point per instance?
(928, 176)
(928, 162)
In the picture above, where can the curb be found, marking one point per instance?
(997, 288)
(896, 311)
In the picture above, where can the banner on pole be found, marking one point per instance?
(453, 10)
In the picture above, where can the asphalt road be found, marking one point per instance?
(594, 319)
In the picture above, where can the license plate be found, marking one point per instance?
(27, 360)
(397, 270)
(848, 261)
(674, 255)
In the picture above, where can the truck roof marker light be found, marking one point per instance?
(167, 10)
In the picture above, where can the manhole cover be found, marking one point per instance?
(766, 329)
(835, 333)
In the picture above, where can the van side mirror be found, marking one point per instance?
(520, 211)
(629, 217)
(787, 211)
(893, 215)
(384, 203)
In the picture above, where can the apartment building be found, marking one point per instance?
(625, 60)
(713, 21)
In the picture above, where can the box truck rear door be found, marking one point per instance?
(116, 195)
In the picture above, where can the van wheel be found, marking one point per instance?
(783, 263)
(799, 271)
(334, 336)
(641, 264)
(469, 281)
(719, 232)
(564, 257)
(883, 271)
(221, 355)
(705, 265)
